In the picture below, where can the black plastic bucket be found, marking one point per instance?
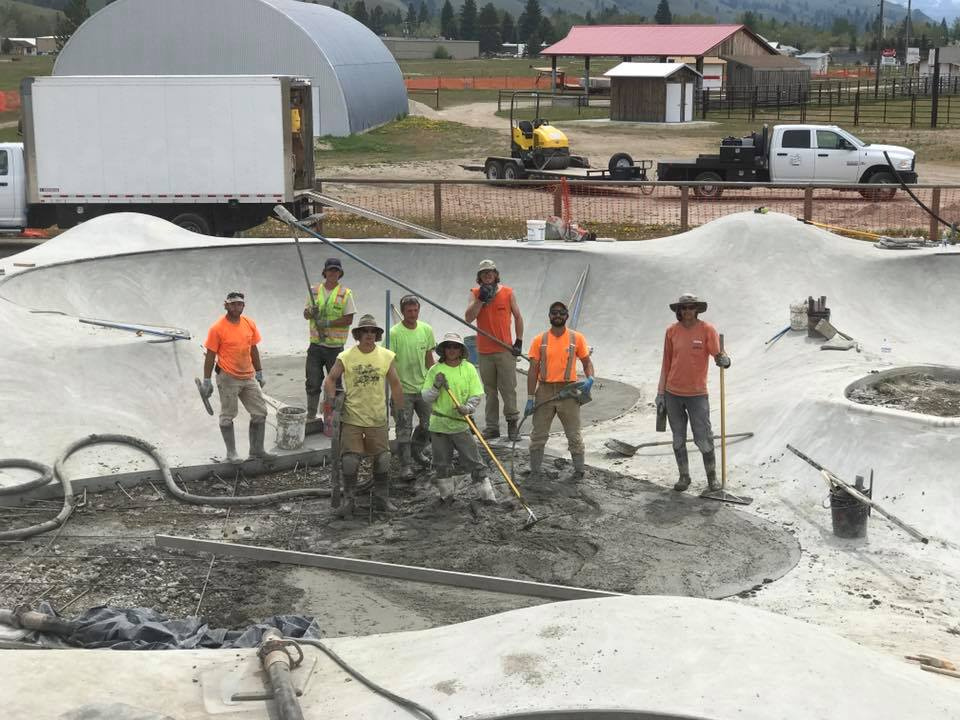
(849, 514)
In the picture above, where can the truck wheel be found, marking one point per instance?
(883, 193)
(493, 170)
(512, 171)
(193, 222)
(708, 191)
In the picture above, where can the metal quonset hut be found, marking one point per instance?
(652, 92)
(357, 84)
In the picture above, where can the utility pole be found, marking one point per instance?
(876, 80)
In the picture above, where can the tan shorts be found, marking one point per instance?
(363, 440)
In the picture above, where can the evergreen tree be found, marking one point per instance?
(69, 20)
(508, 31)
(944, 32)
(335, 6)
(411, 18)
(468, 20)
(488, 29)
(423, 15)
(546, 32)
(359, 12)
(448, 22)
(530, 19)
(377, 20)
(589, 19)
(533, 43)
(663, 15)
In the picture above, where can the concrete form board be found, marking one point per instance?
(139, 37)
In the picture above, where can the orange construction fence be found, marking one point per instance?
(9, 101)
(496, 82)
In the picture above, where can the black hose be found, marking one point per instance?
(410, 705)
(173, 488)
(46, 475)
(917, 200)
(65, 511)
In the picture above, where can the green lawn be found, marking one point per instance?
(13, 69)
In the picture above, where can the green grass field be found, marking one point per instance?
(13, 69)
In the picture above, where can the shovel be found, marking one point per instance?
(622, 448)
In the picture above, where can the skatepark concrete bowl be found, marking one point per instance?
(929, 392)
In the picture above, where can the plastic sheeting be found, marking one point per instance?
(146, 629)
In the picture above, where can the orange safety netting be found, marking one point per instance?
(9, 100)
(497, 82)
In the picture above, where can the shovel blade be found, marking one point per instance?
(621, 448)
(727, 497)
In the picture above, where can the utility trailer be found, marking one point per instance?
(211, 153)
(621, 167)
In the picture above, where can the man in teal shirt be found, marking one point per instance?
(413, 342)
(449, 430)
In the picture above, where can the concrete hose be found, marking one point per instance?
(46, 476)
(173, 488)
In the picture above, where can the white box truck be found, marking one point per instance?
(211, 153)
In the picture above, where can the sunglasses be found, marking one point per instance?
(688, 307)
(559, 312)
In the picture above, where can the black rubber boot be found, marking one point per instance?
(257, 433)
(347, 503)
(513, 430)
(230, 441)
(406, 461)
(536, 462)
(710, 465)
(313, 404)
(683, 465)
(381, 493)
(491, 433)
(418, 447)
(579, 466)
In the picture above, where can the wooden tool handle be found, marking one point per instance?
(940, 671)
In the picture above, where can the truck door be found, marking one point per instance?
(792, 156)
(9, 208)
(837, 159)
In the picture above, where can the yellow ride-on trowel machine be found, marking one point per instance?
(537, 143)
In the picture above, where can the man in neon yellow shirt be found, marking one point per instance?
(366, 368)
(330, 312)
(449, 430)
(413, 342)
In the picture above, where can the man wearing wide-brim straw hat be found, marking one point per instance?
(449, 430)
(366, 368)
(688, 345)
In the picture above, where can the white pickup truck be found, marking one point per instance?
(817, 154)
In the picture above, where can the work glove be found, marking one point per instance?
(486, 293)
(259, 376)
(661, 403)
(207, 388)
(440, 381)
(528, 410)
(517, 347)
(587, 384)
(723, 361)
(464, 409)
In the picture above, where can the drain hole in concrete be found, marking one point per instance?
(928, 390)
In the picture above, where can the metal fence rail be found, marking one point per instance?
(488, 210)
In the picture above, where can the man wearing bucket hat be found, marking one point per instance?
(366, 368)
(682, 390)
(232, 351)
(330, 311)
(492, 305)
(413, 342)
(449, 430)
(552, 370)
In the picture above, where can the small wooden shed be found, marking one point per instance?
(766, 73)
(652, 92)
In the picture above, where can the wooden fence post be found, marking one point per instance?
(437, 207)
(934, 223)
(808, 204)
(684, 207)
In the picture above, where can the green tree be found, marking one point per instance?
(530, 19)
(750, 19)
(377, 20)
(423, 15)
(546, 32)
(448, 21)
(69, 20)
(488, 29)
(411, 18)
(468, 20)
(663, 15)
(944, 32)
(359, 12)
(508, 31)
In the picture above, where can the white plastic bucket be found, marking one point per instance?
(536, 231)
(798, 316)
(291, 427)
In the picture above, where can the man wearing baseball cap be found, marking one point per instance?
(232, 351)
(330, 312)
(688, 345)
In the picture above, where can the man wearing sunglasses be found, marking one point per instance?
(682, 391)
(553, 357)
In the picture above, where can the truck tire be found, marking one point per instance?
(708, 191)
(513, 171)
(493, 170)
(882, 193)
(193, 222)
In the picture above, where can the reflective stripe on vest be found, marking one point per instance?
(335, 334)
(571, 351)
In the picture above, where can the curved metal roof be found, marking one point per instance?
(357, 84)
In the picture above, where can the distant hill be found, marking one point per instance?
(26, 19)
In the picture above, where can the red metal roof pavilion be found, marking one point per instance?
(645, 40)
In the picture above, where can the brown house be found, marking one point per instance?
(652, 92)
(767, 73)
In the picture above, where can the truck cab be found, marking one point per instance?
(13, 198)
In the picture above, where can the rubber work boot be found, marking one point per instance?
(485, 490)
(710, 465)
(418, 447)
(579, 467)
(683, 466)
(445, 487)
(536, 461)
(381, 493)
(313, 404)
(230, 441)
(347, 503)
(491, 433)
(257, 432)
(513, 430)
(406, 462)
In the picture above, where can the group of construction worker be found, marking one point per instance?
(444, 392)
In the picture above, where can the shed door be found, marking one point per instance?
(688, 101)
(674, 98)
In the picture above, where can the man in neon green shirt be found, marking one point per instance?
(330, 311)
(413, 342)
(449, 430)
(366, 368)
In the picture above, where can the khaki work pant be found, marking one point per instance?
(248, 392)
(569, 412)
(498, 372)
